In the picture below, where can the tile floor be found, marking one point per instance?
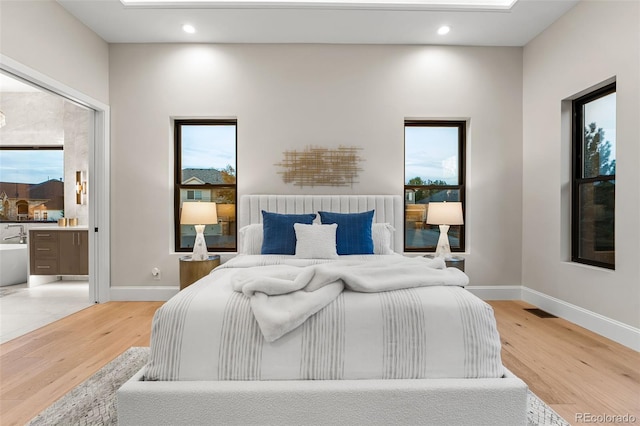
(24, 309)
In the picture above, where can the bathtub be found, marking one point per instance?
(13, 264)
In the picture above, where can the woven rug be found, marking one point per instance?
(93, 402)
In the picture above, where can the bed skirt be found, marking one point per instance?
(475, 402)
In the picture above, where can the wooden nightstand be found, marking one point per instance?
(192, 270)
(454, 262)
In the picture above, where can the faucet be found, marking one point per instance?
(22, 235)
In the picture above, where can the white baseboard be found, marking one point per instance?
(143, 293)
(496, 292)
(607, 327)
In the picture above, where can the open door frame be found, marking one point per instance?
(99, 175)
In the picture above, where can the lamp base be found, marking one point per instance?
(199, 246)
(443, 249)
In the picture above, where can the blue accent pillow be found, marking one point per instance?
(279, 237)
(354, 231)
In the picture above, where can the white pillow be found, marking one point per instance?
(316, 241)
(250, 239)
(381, 234)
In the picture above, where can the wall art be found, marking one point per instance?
(317, 166)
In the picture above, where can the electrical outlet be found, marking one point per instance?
(156, 274)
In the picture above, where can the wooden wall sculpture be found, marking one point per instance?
(316, 166)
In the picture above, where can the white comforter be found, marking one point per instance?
(284, 296)
(208, 332)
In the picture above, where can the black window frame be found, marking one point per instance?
(462, 137)
(178, 186)
(577, 179)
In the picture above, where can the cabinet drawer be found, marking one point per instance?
(37, 236)
(44, 267)
(45, 249)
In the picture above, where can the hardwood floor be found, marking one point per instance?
(570, 368)
(38, 368)
(575, 371)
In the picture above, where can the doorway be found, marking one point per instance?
(46, 143)
(99, 174)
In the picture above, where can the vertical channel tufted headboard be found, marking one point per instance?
(388, 208)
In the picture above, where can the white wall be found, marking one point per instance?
(290, 96)
(42, 35)
(593, 42)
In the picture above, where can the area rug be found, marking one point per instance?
(93, 402)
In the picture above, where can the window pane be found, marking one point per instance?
(208, 154)
(217, 236)
(596, 221)
(599, 142)
(207, 162)
(431, 155)
(593, 186)
(419, 235)
(31, 185)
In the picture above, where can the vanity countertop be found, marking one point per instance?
(60, 228)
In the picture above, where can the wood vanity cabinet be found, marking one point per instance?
(59, 252)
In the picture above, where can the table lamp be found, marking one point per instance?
(199, 214)
(444, 214)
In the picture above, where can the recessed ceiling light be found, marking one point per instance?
(444, 30)
(188, 28)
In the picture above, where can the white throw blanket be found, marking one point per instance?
(283, 296)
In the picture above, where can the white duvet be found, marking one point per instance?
(209, 332)
(283, 296)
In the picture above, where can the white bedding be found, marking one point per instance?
(208, 332)
(283, 296)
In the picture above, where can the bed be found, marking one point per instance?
(360, 344)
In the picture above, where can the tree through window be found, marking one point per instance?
(594, 178)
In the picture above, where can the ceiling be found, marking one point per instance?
(291, 21)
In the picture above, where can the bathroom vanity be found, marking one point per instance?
(59, 251)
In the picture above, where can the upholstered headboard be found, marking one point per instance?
(388, 208)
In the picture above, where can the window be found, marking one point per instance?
(433, 171)
(31, 184)
(594, 178)
(194, 195)
(206, 171)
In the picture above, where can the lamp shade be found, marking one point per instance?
(198, 213)
(445, 213)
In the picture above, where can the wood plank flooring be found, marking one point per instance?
(573, 370)
(38, 368)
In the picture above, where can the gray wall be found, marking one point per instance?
(290, 96)
(559, 64)
(42, 35)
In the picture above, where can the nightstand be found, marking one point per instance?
(192, 270)
(454, 262)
